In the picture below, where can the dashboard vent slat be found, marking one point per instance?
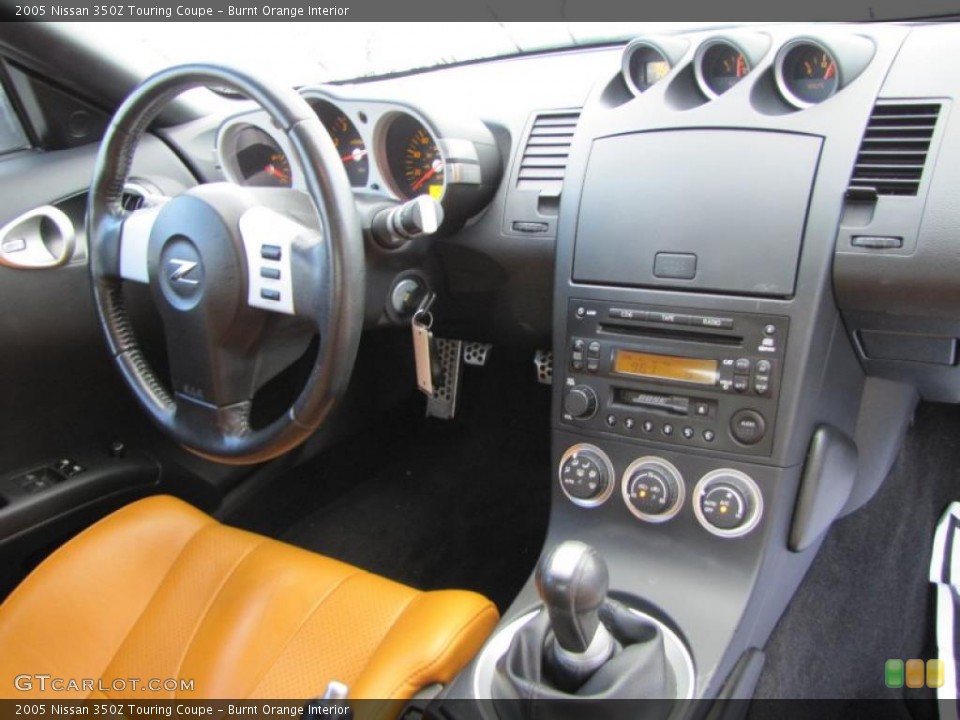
(893, 152)
(544, 159)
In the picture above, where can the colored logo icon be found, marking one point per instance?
(913, 673)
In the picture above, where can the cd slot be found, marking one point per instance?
(671, 333)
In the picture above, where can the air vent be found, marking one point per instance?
(132, 198)
(894, 149)
(545, 156)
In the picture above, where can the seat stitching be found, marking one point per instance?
(153, 596)
(440, 656)
(307, 617)
(213, 598)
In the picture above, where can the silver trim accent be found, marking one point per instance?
(608, 466)
(781, 80)
(659, 464)
(744, 483)
(135, 243)
(261, 226)
(698, 64)
(628, 54)
(599, 651)
(23, 245)
(676, 651)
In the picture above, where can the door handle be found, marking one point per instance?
(39, 239)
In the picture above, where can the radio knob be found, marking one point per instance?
(580, 402)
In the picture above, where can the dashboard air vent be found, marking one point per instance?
(894, 149)
(132, 198)
(545, 154)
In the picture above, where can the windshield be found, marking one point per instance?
(302, 53)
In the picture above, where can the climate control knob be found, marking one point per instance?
(580, 402)
(586, 475)
(727, 503)
(653, 489)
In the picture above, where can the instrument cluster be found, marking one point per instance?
(387, 149)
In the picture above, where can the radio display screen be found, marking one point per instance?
(666, 367)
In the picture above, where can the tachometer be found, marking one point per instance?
(346, 138)
(413, 158)
(807, 73)
(720, 65)
(251, 157)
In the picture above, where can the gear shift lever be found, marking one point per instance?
(572, 581)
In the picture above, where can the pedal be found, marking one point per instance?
(448, 355)
(543, 362)
(476, 353)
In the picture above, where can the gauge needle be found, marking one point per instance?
(355, 156)
(278, 174)
(831, 71)
(426, 176)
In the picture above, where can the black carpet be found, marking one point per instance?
(430, 503)
(866, 597)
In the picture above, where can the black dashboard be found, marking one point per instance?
(738, 244)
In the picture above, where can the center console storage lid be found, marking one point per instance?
(707, 210)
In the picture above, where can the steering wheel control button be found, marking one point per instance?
(270, 273)
(652, 489)
(586, 475)
(272, 295)
(580, 402)
(727, 503)
(271, 252)
(748, 427)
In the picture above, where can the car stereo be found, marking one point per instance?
(673, 376)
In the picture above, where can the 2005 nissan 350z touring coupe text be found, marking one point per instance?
(488, 371)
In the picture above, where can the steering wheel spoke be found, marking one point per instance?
(134, 244)
(284, 260)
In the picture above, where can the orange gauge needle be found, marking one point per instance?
(831, 71)
(278, 174)
(426, 176)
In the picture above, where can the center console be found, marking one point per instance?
(705, 388)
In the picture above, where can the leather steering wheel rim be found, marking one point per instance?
(337, 264)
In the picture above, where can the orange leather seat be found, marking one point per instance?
(160, 590)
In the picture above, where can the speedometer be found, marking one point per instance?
(413, 158)
(346, 138)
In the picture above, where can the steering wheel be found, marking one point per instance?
(230, 269)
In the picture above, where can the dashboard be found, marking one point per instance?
(737, 245)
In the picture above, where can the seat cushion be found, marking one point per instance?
(160, 590)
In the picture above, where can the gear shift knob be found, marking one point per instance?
(572, 581)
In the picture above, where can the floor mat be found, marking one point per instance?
(434, 504)
(867, 597)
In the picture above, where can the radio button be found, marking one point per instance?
(742, 365)
(701, 409)
(578, 345)
(593, 365)
(764, 367)
(748, 427)
(611, 420)
(629, 423)
(593, 350)
(688, 433)
(741, 383)
(667, 429)
(648, 426)
(709, 435)
(761, 387)
(712, 322)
